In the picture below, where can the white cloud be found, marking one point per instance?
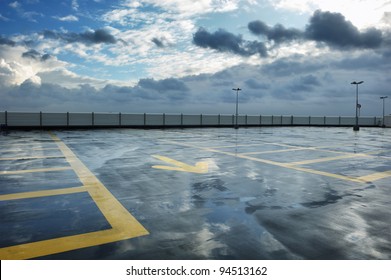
(33, 81)
(14, 5)
(192, 62)
(75, 5)
(69, 79)
(16, 69)
(191, 7)
(15, 73)
(67, 18)
(174, 23)
(3, 18)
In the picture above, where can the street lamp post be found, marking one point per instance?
(383, 98)
(356, 127)
(237, 101)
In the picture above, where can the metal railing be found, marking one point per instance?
(93, 119)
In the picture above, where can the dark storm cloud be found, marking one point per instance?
(170, 84)
(33, 54)
(45, 57)
(5, 41)
(158, 42)
(224, 41)
(325, 27)
(305, 84)
(335, 30)
(291, 66)
(98, 36)
(253, 84)
(366, 61)
(278, 33)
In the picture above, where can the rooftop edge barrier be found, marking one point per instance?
(44, 120)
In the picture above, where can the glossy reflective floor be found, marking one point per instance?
(251, 193)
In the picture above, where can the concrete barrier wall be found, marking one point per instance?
(43, 119)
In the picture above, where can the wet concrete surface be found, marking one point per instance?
(268, 193)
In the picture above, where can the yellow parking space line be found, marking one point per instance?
(30, 157)
(347, 155)
(44, 149)
(62, 244)
(285, 165)
(114, 212)
(15, 172)
(276, 151)
(29, 146)
(375, 176)
(324, 159)
(22, 150)
(238, 145)
(308, 170)
(42, 193)
(124, 225)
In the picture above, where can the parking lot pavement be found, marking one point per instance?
(251, 193)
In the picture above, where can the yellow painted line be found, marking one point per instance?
(111, 208)
(42, 193)
(375, 176)
(23, 150)
(285, 165)
(276, 151)
(239, 145)
(124, 225)
(15, 172)
(200, 167)
(62, 244)
(30, 157)
(308, 170)
(325, 159)
(28, 145)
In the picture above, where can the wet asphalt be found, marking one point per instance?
(268, 193)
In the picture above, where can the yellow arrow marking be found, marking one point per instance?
(200, 167)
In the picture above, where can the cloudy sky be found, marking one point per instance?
(185, 56)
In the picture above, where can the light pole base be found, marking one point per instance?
(356, 128)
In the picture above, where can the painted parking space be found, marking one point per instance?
(52, 220)
(256, 193)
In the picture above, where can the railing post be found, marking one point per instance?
(218, 120)
(164, 120)
(201, 119)
(67, 119)
(182, 120)
(120, 119)
(40, 119)
(309, 120)
(260, 120)
(92, 119)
